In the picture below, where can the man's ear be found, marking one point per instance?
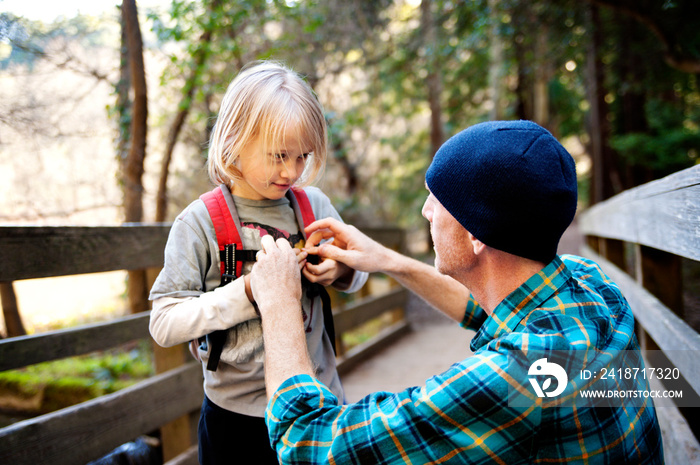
(477, 246)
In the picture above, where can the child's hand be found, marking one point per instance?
(327, 270)
(301, 257)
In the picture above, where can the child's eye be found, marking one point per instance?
(305, 155)
(279, 156)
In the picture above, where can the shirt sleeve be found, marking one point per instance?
(177, 320)
(462, 411)
(474, 315)
(185, 307)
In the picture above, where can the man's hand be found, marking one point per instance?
(358, 251)
(349, 246)
(275, 280)
(327, 271)
(276, 284)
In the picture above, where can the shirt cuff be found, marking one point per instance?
(297, 396)
(474, 316)
(356, 281)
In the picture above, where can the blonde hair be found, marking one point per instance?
(265, 100)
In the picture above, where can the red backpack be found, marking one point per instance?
(232, 256)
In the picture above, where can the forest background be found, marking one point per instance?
(104, 119)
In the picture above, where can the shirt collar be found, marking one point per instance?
(519, 303)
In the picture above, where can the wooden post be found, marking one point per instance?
(176, 436)
(614, 251)
(593, 243)
(659, 272)
(398, 314)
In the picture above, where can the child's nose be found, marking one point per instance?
(289, 171)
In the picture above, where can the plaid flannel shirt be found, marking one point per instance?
(464, 415)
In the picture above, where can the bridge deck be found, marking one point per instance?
(428, 350)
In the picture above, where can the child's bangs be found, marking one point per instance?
(291, 120)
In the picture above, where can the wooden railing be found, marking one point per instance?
(641, 238)
(168, 401)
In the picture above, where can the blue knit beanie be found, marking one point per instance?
(509, 183)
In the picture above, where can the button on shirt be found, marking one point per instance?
(483, 409)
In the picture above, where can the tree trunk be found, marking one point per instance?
(199, 59)
(523, 18)
(496, 65)
(599, 127)
(434, 80)
(133, 167)
(434, 83)
(123, 101)
(10, 310)
(542, 77)
(632, 117)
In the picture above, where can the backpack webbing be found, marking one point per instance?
(232, 255)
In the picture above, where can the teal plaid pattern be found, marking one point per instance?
(463, 415)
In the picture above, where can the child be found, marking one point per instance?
(270, 135)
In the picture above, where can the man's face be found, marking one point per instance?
(452, 244)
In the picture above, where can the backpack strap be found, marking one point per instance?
(314, 289)
(231, 251)
(231, 255)
(307, 213)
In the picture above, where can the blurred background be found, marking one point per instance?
(106, 106)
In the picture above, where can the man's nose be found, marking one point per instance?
(427, 210)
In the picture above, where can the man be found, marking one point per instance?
(501, 195)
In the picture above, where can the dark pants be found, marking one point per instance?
(230, 438)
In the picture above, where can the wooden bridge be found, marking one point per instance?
(642, 238)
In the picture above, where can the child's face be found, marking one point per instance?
(270, 175)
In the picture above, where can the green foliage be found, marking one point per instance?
(30, 41)
(671, 144)
(62, 383)
(371, 61)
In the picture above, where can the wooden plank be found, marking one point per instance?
(680, 342)
(371, 307)
(363, 351)
(189, 457)
(394, 238)
(92, 429)
(21, 351)
(662, 214)
(38, 251)
(680, 445)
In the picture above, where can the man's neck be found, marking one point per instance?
(498, 275)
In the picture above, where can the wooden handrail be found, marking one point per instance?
(639, 238)
(91, 429)
(22, 351)
(86, 431)
(663, 214)
(28, 252)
